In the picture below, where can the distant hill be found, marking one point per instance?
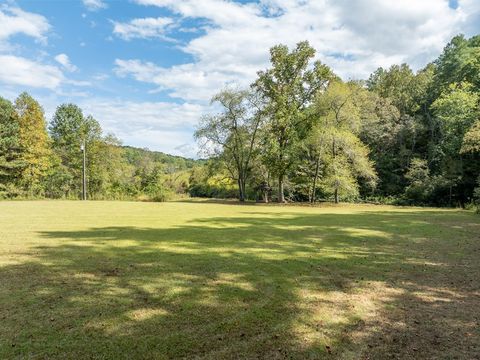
(135, 155)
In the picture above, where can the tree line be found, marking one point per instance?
(40, 160)
(300, 133)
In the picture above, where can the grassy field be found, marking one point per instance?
(122, 280)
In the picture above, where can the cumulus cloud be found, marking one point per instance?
(24, 72)
(143, 28)
(15, 70)
(187, 82)
(14, 21)
(94, 5)
(63, 60)
(353, 37)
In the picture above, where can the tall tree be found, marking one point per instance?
(69, 130)
(383, 131)
(459, 62)
(397, 84)
(288, 87)
(231, 135)
(34, 143)
(340, 151)
(457, 110)
(109, 174)
(409, 134)
(11, 164)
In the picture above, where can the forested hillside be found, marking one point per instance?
(298, 133)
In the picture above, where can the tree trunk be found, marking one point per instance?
(314, 190)
(334, 153)
(265, 197)
(241, 191)
(450, 196)
(281, 196)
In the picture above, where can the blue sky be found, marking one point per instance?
(146, 69)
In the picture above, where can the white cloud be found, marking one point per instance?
(187, 82)
(229, 44)
(353, 37)
(162, 126)
(16, 21)
(143, 28)
(21, 71)
(15, 70)
(94, 5)
(63, 60)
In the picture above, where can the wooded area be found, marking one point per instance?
(299, 133)
(36, 163)
(398, 137)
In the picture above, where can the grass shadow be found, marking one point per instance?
(290, 285)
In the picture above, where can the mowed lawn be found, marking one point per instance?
(124, 280)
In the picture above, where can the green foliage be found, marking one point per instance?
(34, 164)
(34, 142)
(405, 136)
(471, 140)
(459, 62)
(476, 195)
(231, 136)
(457, 109)
(354, 137)
(57, 182)
(420, 183)
(424, 188)
(70, 130)
(11, 164)
(287, 88)
(341, 153)
(135, 156)
(397, 84)
(211, 181)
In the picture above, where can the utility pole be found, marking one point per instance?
(84, 174)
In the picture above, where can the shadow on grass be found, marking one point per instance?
(290, 285)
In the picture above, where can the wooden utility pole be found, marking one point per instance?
(84, 174)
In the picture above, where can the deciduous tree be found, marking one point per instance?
(11, 164)
(34, 143)
(342, 154)
(232, 134)
(288, 87)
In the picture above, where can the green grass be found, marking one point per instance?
(123, 280)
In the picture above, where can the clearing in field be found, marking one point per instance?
(204, 280)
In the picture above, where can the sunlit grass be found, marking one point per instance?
(210, 280)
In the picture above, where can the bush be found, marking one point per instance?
(10, 191)
(212, 191)
(157, 192)
(160, 196)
